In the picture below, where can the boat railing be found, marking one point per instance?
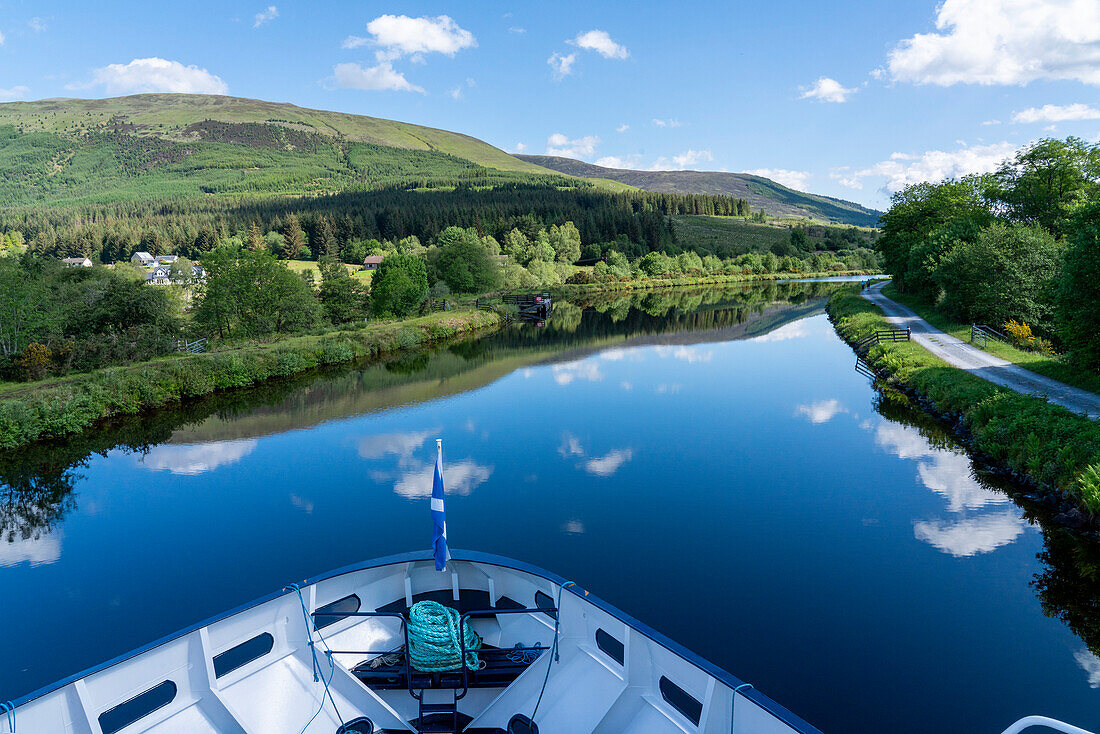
(500, 651)
(404, 633)
(1045, 721)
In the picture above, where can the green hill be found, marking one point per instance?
(64, 151)
(777, 200)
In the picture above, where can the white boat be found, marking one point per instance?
(328, 656)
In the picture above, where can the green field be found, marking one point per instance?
(708, 233)
(167, 146)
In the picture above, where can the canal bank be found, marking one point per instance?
(1055, 451)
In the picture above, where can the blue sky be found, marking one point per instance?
(849, 99)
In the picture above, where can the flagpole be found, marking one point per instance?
(440, 549)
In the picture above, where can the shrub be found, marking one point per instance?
(35, 361)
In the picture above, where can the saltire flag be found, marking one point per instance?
(439, 517)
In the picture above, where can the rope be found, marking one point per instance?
(522, 655)
(434, 642)
(9, 708)
(553, 648)
(311, 627)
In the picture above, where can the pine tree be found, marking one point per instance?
(294, 237)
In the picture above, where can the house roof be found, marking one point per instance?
(142, 256)
(74, 260)
(372, 260)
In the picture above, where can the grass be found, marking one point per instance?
(707, 233)
(1054, 367)
(53, 409)
(1053, 446)
(302, 266)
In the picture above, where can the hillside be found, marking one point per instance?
(777, 200)
(65, 151)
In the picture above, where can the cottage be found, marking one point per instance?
(167, 259)
(142, 258)
(371, 262)
(159, 275)
(77, 262)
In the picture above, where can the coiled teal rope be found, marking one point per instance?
(434, 642)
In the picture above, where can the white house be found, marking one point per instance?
(159, 275)
(142, 258)
(77, 262)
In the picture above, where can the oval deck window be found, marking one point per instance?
(333, 612)
(611, 646)
(246, 652)
(142, 704)
(681, 700)
(546, 602)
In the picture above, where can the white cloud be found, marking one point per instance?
(37, 551)
(622, 128)
(821, 411)
(827, 90)
(518, 148)
(515, 29)
(681, 161)
(986, 123)
(17, 92)
(561, 66)
(461, 478)
(400, 35)
(791, 179)
(570, 446)
(691, 355)
(969, 536)
(374, 78)
(903, 169)
(614, 161)
(1090, 664)
(354, 42)
(1003, 42)
(266, 15)
(601, 43)
(191, 459)
(36, 24)
(155, 75)
(558, 144)
(585, 369)
(402, 445)
(608, 464)
(793, 330)
(1, 38)
(1057, 113)
(670, 122)
(949, 475)
(573, 527)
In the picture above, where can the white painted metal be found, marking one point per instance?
(1029, 721)
(587, 691)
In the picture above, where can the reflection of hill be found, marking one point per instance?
(470, 365)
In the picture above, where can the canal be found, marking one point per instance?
(708, 461)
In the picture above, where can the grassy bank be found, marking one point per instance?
(54, 410)
(718, 279)
(1046, 443)
(1051, 366)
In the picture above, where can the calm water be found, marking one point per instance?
(711, 464)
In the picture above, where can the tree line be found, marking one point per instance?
(1017, 247)
(333, 224)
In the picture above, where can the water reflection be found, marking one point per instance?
(615, 353)
(190, 459)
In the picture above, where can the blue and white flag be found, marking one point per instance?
(439, 517)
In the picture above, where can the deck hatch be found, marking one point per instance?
(141, 705)
(610, 645)
(332, 612)
(681, 700)
(546, 602)
(242, 654)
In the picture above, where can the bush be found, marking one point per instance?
(399, 286)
